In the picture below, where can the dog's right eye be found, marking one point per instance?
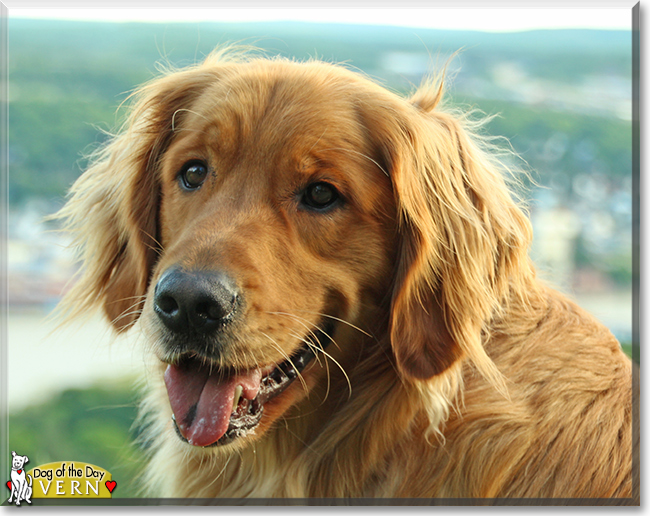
(193, 174)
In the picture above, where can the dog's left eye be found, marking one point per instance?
(193, 174)
(320, 196)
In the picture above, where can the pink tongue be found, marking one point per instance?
(202, 403)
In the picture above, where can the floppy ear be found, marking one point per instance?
(112, 209)
(464, 242)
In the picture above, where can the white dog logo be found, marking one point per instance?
(21, 483)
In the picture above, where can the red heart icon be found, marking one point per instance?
(20, 471)
(110, 485)
(9, 484)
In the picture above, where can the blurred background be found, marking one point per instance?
(559, 81)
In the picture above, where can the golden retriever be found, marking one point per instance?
(335, 284)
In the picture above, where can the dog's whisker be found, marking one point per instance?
(189, 130)
(277, 346)
(347, 323)
(251, 469)
(318, 353)
(321, 314)
(135, 308)
(305, 323)
(308, 325)
(120, 318)
(223, 469)
(302, 441)
(319, 139)
(127, 313)
(187, 111)
(158, 247)
(318, 349)
(336, 362)
(142, 298)
(311, 331)
(351, 151)
(309, 343)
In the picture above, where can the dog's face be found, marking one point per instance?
(275, 223)
(258, 216)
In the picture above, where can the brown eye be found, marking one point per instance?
(320, 196)
(193, 174)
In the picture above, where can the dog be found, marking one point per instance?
(334, 284)
(21, 483)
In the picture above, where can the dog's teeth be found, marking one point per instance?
(235, 401)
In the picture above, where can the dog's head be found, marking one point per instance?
(18, 461)
(253, 211)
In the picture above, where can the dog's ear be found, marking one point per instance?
(112, 210)
(464, 240)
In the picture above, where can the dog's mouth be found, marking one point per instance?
(212, 406)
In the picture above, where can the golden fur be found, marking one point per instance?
(454, 373)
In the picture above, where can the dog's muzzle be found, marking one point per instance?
(213, 405)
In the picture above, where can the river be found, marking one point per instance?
(43, 360)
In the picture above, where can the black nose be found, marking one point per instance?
(198, 301)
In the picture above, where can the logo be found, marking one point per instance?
(58, 480)
(20, 483)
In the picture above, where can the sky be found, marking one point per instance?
(500, 16)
